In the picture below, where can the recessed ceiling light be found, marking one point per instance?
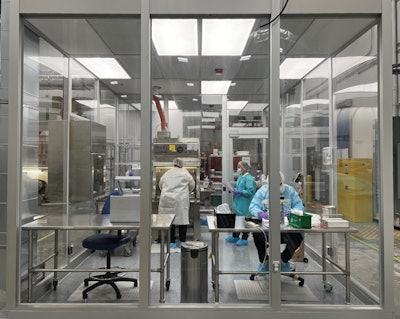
(297, 68)
(215, 87)
(104, 68)
(175, 36)
(226, 37)
(195, 100)
(190, 84)
(245, 58)
(236, 105)
(124, 96)
(114, 82)
(181, 59)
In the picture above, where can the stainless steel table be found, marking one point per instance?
(58, 223)
(240, 227)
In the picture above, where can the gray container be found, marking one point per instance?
(194, 272)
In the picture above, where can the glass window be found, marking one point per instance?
(330, 147)
(81, 134)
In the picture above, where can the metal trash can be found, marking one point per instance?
(194, 272)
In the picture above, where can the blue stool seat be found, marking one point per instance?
(106, 242)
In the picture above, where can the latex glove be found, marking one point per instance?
(287, 213)
(237, 192)
(263, 215)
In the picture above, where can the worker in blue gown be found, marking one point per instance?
(242, 196)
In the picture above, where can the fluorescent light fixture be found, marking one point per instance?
(195, 100)
(182, 59)
(211, 114)
(104, 68)
(89, 103)
(245, 58)
(225, 37)
(208, 120)
(192, 113)
(171, 105)
(215, 87)
(255, 107)
(236, 105)
(175, 36)
(297, 68)
(113, 82)
(124, 96)
(193, 127)
(190, 84)
(233, 84)
(208, 127)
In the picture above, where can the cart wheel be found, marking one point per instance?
(328, 287)
(167, 284)
(55, 284)
(301, 282)
(252, 277)
(305, 260)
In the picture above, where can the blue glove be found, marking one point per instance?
(237, 192)
(263, 215)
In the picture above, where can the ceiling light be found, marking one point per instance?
(89, 103)
(195, 100)
(124, 96)
(211, 114)
(104, 68)
(114, 82)
(245, 58)
(190, 84)
(215, 87)
(255, 107)
(181, 59)
(226, 37)
(297, 68)
(192, 114)
(233, 84)
(171, 105)
(236, 105)
(175, 36)
(208, 119)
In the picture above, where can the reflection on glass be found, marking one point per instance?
(329, 138)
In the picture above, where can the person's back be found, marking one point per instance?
(175, 185)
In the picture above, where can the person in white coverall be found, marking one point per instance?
(176, 185)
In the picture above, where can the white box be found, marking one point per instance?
(335, 222)
(125, 209)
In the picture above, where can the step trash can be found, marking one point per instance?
(194, 272)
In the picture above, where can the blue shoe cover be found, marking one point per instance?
(262, 268)
(231, 239)
(242, 242)
(285, 266)
(172, 245)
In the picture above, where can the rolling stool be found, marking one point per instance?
(106, 242)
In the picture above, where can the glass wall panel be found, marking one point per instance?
(75, 157)
(330, 153)
(355, 105)
(43, 184)
(216, 88)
